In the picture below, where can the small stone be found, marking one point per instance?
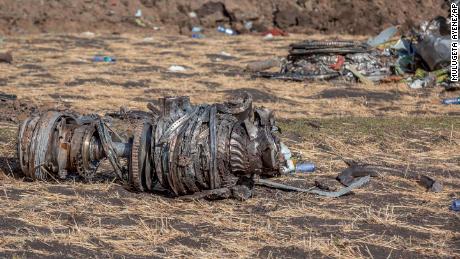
(241, 192)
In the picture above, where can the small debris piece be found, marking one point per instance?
(88, 34)
(275, 32)
(430, 184)
(225, 30)
(383, 37)
(6, 57)
(138, 13)
(140, 23)
(347, 176)
(455, 100)
(198, 36)
(340, 62)
(175, 68)
(106, 59)
(286, 152)
(192, 15)
(226, 54)
(148, 39)
(268, 37)
(455, 205)
(305, 167)
(248, 25)
(324, 185)
(197, 29)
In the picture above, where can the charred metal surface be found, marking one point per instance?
(187, 149)
(418, 58)
(326, 60)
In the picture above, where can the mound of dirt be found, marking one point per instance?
(309, 16)
(13, 109)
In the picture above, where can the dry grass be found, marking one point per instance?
(389, 125)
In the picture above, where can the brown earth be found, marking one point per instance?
(356, 17)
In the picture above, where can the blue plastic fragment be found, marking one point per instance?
(106, 59)
(305, 167)
(451, 100)
(198, 36)
(455, 205)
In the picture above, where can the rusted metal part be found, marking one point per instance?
(26, 131)
(43, 144)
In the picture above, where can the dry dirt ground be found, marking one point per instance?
(405, 130)
(357, 17)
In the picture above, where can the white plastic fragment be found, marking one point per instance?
(175, 68)
(148, 39)
(268, 37)
(88, 34)
(223, 53)
(138, 13)
(289, 167)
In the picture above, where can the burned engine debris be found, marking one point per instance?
(181, 148)
(314, 60)
(421, 58)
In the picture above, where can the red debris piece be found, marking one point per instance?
(338, 65)
(275, 32)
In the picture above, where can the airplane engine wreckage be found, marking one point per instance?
(420, 59)
(327, 60)
(219, 150)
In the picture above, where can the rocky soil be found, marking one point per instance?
(355, 17)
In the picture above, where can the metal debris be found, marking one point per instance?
(378, 60)
(192, 150)
(327, 60)
(430, 184)
(334, 194)
(348, 176)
